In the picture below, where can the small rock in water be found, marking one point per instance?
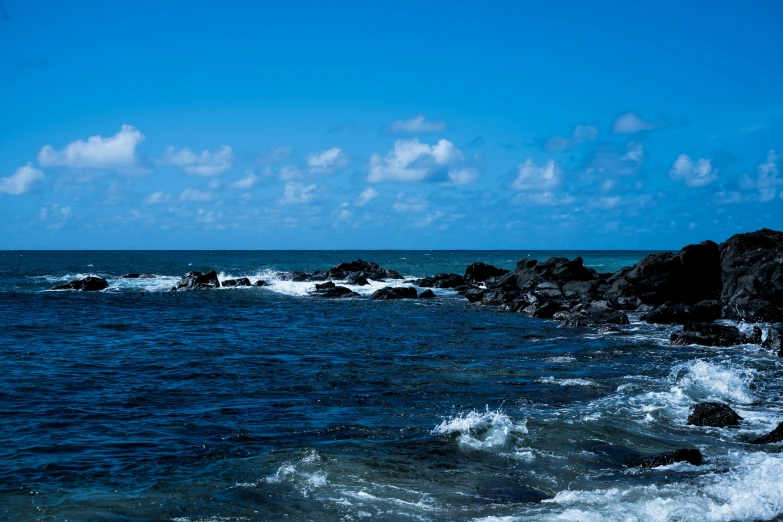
(325, 286)
(774, 340)
(714, 414)
(388, 293)
(88, 284)
(198, 281)
(356, 279)
(775, 435)
(427, 294)
(260, 282)
(132, 275)
(330, 290)
(480, 272)
(242, 281)
(692, 456)
(709, 334)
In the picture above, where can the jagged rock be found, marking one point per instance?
(530, 272)
(569, 319)
(427, 294)
(260, 282)
(441, 281)
(497, 297)
(358, 268)
(242, 281)
(198, 281)
(691, 275)
(300, 277)
(709, 334)
(608, 329)
(480, 272)
(475, 295)
(752, 268)
(329, 290)
(388, 293)
(775, 435)
(714, 414)
(542, 309)
(356, 279)
(598, 313)
(88, 284)
(692, 456)
(774, 340)
(673, 313)
(132, 275)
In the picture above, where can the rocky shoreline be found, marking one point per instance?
(740, 279)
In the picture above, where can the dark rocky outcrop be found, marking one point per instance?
(710, 334)
(752, 269)
(441, 281)
(389, 293)
(358, 268)
(590, 314)
(330, 290)
(135, 275)
(88, 284)
(357, 279)
(427, 294)
(692, 456)
(773, 436)
(480, 272)
(774, 340)
(260, 282)
(198, 281)
(691, 275)
(475, 295)
(242, 281)
(714, 414)
(673, 313)
(299, 277)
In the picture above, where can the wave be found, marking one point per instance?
(482, 430)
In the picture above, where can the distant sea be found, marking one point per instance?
(140, 404)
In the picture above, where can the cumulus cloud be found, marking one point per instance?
(194, 195)
(531, 177)
(298, 194)
(115, 152)
(767, 174)
(462, 176)
(581, 134)
(205, 163)
(415, 124)
(366, 196)
(157, 198)
(411, 160)
(247, 182)
(21, 181)
(327, 160)
(695, 174)
(630, 123)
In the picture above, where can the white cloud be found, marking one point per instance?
(21, 181)
(462, 176)
(204, 164)
(194, 195)
(157, 197)
(532, 177)
(411, 160)
(298, 194)
(327, 160)
(581, 134)
(634, 152)
(547, 199)
(247, 182)
(117, 152)
(768, 174)
(694, 174)
(630, 123)
(415, 124)
(410, 205)
(366, 196)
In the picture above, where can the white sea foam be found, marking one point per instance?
(304, 474)
(481, 430)
(567, 382)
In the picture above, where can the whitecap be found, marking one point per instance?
(481, 430)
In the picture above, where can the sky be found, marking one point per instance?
(388, 125)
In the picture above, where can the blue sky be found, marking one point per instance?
(419, 125)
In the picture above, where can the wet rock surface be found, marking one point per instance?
(691, 456)
(775, 435)
(713, 414)
(88, 284)
(198, 281)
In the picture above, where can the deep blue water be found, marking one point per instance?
(264, 404)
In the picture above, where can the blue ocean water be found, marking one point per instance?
(136, 403)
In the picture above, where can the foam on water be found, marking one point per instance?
(481, 430)
(304, 474)
(567, 382)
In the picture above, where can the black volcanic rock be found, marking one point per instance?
(709, 334)
(475, 295)
(357, 279)
(359, 268)
(260, 282)
(330, 290)
(673, 313)
(480, 272)
(389, 293)
(441, 281)
(775, 435)
(752, 268)
(242, 281)
(714, 414)
(427, 294)
(774, 340)
(692, 456)
(88, 284)
(198, 281)
(132, 275)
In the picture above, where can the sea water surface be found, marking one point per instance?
(136, 403)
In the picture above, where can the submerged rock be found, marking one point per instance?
(88, 284)
(710, 334)
(480, 272)
(673, 313)
(242, 281)
(330, 290)
(775, 435)
(692, 456)
(714, 414)
(389, 293)
(198, 281)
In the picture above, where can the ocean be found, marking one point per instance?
(238, 404)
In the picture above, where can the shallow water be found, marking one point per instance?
(263, 404)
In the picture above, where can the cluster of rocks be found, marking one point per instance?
(353, 272)
(88, 284)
